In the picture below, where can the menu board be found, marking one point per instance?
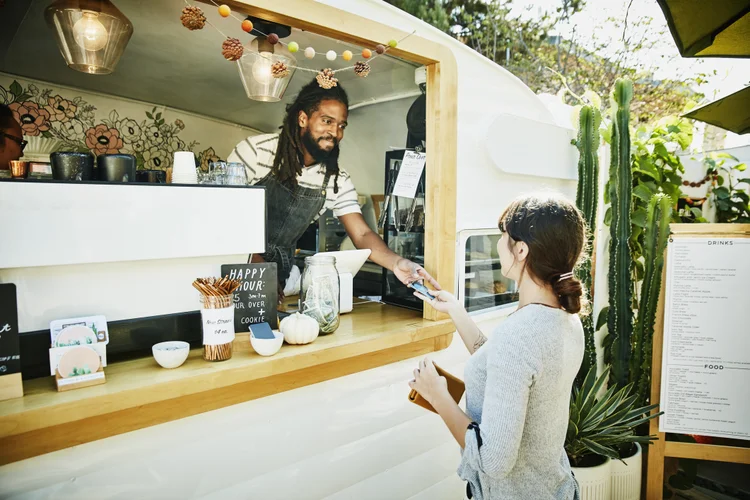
(10, 349)
(256, 300)
(705, 387)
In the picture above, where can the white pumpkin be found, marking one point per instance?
(299, 329)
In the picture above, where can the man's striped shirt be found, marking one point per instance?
(257, 153)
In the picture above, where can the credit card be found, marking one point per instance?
(421, 289)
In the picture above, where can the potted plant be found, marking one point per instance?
(601, 431)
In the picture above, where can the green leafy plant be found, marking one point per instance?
(731, 200)
(656, 169)
(620, 313)
(602, 426)
(587, 197)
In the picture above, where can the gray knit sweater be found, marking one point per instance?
(518, 390)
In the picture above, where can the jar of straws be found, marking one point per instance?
(217, 314)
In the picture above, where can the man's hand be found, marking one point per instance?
(408, 272)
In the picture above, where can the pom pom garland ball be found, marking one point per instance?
(366, 53)
(392, 44)
(293, 47)
(273, 38)
(309, 52)
(331, 55)
(347, 55)
(224, 11)
(380, 49)
(247, 26)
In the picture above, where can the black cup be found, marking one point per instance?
(116, 168)
(72, 166)
(152, 176)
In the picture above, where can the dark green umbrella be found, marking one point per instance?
(709, 28)
(730, 113)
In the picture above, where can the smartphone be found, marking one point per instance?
(421, 289)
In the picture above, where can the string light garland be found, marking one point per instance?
(232, 49)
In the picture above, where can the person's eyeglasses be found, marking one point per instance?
(21, 142)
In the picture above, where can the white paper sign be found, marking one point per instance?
(218, 325)
(409, 174)
(705, 386)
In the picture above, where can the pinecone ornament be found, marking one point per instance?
(279, 70)
(193, 18)
(326, 79)
(362, 69)
(232, 49)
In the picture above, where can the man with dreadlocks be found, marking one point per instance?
(300, 170)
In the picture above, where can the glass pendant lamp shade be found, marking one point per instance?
(255, 70)
(91, 34)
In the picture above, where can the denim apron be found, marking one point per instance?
(289, 212)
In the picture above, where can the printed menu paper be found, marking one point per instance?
(706, 354)
(409, 174)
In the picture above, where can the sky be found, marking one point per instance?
(732, 74)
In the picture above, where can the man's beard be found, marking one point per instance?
(319, 154)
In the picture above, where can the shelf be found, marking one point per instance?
(138, 393)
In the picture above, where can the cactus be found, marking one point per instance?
(620, 315)
(659, 215)
(589, 120)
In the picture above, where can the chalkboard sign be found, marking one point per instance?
(256, 300)
(10, 350)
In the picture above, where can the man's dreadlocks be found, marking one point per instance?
(289, 159)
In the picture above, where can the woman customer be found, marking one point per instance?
(518, 382)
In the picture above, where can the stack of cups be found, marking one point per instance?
(184, 170)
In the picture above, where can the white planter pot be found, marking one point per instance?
(595, 483)
(626, 479)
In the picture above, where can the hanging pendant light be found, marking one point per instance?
(255, 68)
(91, 34)
(256, 64)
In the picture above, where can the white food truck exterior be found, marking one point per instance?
(356, 436)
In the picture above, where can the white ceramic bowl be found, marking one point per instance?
(267, 347)
(171, 354)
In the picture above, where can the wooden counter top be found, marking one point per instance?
(139, 393)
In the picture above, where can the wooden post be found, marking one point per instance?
(655, 475)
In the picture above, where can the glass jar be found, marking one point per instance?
(217, 173)
(320, 292)
(236, 175)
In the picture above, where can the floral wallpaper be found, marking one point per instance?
(147, 134)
